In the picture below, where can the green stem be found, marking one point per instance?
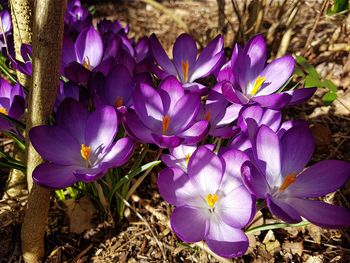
(275, 226)
(18, 141)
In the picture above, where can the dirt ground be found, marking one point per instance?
(143, 234)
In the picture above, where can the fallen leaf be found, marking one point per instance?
(293, 247)
(271, 243)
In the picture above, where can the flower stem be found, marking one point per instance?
(275, 226)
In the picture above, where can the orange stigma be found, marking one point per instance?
(3, 111)
(207, 116)
(85, 152)
(211, 199)
(165, 124)
(185, 65)
(118, 101)
(86, 63)
(290, 178)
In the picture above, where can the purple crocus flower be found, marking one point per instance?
(165, 116)
(180, 155)
(72, 90)
(211, 201)
(12, 103)
(220, 115)
(279, 177)
(185, 65)
(80, 147)
(6, 22)
(250, 81)
(77, 17)
(26, 66)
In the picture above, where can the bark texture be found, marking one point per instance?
(22, 19)
(47, 48)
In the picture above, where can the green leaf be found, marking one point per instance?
(330, 85)
(275, 226)
(309, 69)
(312, 82)
(338, 6)
(132, 174)
(329, 97)
(17, 123)
(20, 143)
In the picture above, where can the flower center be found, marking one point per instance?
(290, 178)
(3, 111)
(258, 82)
(165, 124)
(188, 156)
(86, 63)
(207, 116)
(185, 65)
(211, 200)
(85, 152)
(118, 101)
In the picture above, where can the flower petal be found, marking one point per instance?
(320, 179)
(135, 128)
(283, 210)
(297, 149)
(300, 95)
(273, 101)
(195, 133)
(321, 213)
(119, 152)
(54, 176)
(190, 224)
(171, 91)
(254, 180)
(166, 141)
(205, 170)
(225, 240)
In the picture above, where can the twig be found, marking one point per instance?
(168, 12)
(145, 221)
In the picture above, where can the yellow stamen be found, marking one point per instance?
(188, 156)
(185, 65)
(258, 82)
(290, 178)
(85, 152)
(211, 199)
(165, 124)
(3, 111)
(86, 63)
(207, 116)
(118, 101)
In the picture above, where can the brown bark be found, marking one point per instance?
(22, 19)
(47, 48)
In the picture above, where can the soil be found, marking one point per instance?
(148, 238)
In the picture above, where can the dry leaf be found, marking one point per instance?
(271, 243)
(293, 247)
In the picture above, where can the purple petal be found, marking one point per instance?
(165, 141)
(135, 128)
(241, 142)
(171, 91)
(213, 48)
(195, 133)
(276, 73)
(297, 149)
(184, 50)
(254, 180)
(89, 47)
(175, 187)
(54, 176)
(233, 95)
(320, 179)
(205, 69)
(174, 162)
(273, 101)
(190, 224)
(225, 240)
(255, 50)
(236, 208)
(283, 210)
(300, 95)
(226, 73)
(322, 214)
(68, 55)
(101, 128)
(161, 57)
(285, 126)
(148, 106)
(56, 145)
(233, 160)
(225, 132)
(268, 154)
(88, 175)
(205, 170)
(119, 152)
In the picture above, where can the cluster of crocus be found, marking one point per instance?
(227, 144)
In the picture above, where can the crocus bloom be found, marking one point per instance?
(220, 114)
(72, 90)
(253, 82)
(12, 103)
(80, 147)
(180, 155)
(211, 202)
(185, 65)
(165, 116)
(279, 177)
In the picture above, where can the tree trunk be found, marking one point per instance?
(47, 47)
(22, 19)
